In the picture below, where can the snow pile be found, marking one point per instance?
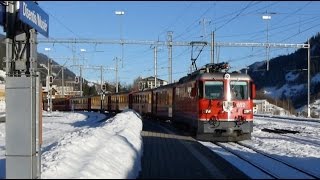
(112, 149)
(291, 77)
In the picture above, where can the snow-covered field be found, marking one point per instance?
(80, 145)
(300, 150)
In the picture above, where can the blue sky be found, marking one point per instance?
(232, 21)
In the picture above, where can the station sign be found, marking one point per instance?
(2, 13)
(31, 14)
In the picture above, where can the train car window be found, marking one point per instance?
(239, 90)
(200, 89)
(193, 92)
(213, 89)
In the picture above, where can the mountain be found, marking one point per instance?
(287, 77)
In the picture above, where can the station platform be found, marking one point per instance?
(168, 154)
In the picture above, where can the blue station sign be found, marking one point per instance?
(31, 14)
(2, 13)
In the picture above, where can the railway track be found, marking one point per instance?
(313, 120)
(271, 166)
(296, 138)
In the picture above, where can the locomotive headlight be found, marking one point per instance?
(226, 76)
(246, 111)
(206, 111)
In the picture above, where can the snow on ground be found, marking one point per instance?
(301, 149)
(80, 145)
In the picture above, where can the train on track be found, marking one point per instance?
(212, 102)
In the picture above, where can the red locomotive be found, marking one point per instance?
(217, 105)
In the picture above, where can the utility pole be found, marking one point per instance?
(101, 90)
(62, 76)
(81, 81)
(117, 83)
(50, 84)
(204, 21)
(120, 13)
(212, 47)
(155, 66)
(101, 73)
(62, 83)
(101, 68)
(308, 79)
(267, 17)
(170, 55)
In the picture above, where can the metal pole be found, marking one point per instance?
(120, 13)
(212, 47)
(117, 86)
(121, 37)
(101, 69)
(62, 81)
(267, 46)
(80, 80)
(101, 91)
(48, 84)
(309, 78)
(155, 66)
(38, 124)
(50, 87)
(170, 56)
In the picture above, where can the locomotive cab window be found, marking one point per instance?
(239, 90)
(213, 89)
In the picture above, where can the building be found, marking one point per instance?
(2, 97)
(149, 83)
(264, 107)
(69, 89)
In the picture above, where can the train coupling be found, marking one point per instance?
(239, 120)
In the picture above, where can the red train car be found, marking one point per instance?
(218, 105)
(58, 104)
(162, 106)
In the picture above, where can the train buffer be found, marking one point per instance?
(167, 155)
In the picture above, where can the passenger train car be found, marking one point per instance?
(217, 105)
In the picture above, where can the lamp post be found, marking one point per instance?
(267, 17)
(49, 108)
(117, 83)
(309, 113)
(81, 50)
(120, 13)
